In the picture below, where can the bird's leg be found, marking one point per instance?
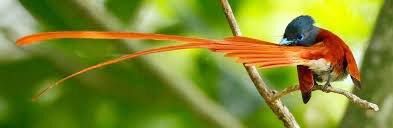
(327, 84)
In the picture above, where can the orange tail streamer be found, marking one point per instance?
(162, 49)
(106, 35)
(193, 43)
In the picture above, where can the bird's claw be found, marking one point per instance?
(325, 87)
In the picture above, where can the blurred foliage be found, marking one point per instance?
(133, 93)
(123, 9)
(377, 74)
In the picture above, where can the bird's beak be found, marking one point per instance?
(285, 41)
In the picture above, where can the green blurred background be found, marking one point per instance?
(179, 89)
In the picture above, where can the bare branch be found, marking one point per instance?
(277, 106)
(352, 97)
(284, 92)
(231, 18)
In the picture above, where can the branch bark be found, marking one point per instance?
(352, 97)
(276, 106)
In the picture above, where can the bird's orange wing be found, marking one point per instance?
(352, 68)
(266, 54)
(306, 82)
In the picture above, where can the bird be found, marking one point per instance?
(332, 63)
(320, 55)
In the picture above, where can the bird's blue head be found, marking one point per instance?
(301, 32)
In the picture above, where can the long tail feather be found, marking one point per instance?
(162, 49)
(265, 64)
(106, 35)
(278, 65)
(257, 59)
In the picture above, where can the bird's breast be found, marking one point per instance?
(320, 65)
(322, 69)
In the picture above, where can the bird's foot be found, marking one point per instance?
(325, 87)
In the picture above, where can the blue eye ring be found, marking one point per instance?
(300, 38)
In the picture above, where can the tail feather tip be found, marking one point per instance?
(306, 97)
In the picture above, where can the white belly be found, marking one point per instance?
(321, 68)
(320, 65)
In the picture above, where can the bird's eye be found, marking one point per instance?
(300, 37)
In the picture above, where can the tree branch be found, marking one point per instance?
(277, 106)
(352, 97)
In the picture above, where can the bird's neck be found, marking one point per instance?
(330, 39)
(325, 34)
(322, 35)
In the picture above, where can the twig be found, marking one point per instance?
(352, 97)
(277, 106)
